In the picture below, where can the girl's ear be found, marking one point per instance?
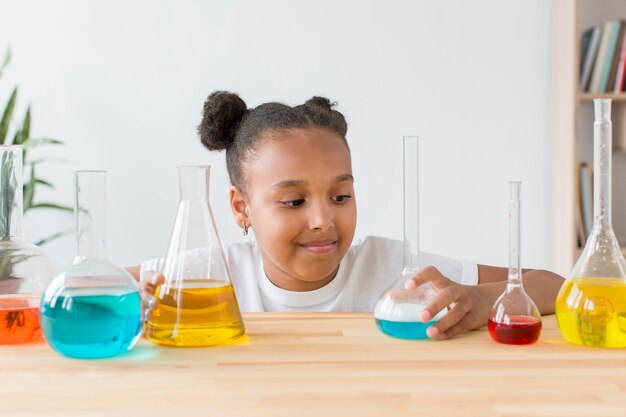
(240, 208)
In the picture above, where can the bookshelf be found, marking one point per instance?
(590, 96)
(572, 127)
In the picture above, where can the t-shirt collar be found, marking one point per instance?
(301, 298)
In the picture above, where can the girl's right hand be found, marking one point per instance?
(147, 288)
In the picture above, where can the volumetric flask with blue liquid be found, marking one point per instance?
(93, 308)
(398, 311)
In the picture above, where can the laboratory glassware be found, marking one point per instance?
(197, 305)
(92, 309)
(25, 270)
(591, 305)
(514, 318)
(398, 311)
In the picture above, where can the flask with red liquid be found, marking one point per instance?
(514, 318)
(25, 270)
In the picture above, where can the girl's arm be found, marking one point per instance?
(134, 271)
(541, 286)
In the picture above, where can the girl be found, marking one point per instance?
(292, 182)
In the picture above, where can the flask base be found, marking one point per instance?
(84, 326)
(592, 312)
(195, 337)
(19, 320)
(521, 330)
(404, 329)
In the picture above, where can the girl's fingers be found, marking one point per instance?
(147, 288)
(458, 328)
(442, 300)
(154, 278)
(424, 275)
(455, 316)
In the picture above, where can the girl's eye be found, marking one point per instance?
(293, 203)
(341, 198)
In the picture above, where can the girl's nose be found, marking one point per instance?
(320, 217)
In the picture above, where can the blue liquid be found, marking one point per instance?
(91, 326)
(404, 329)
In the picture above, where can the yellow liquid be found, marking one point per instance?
(197, 312)
(592, 311)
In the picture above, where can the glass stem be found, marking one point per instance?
(602, 164)
(411, 204)
(194, 182)
(515, 275)
(90, 212)
(11, 192)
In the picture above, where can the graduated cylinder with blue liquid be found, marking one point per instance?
(92, 309)
(398, 311)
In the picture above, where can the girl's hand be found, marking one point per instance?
(469, 309)
(147, 288)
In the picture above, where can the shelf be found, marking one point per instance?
(591, 96)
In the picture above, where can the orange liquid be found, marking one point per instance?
(19, 320)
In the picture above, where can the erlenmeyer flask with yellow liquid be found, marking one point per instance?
(591, 305)
(197, 305)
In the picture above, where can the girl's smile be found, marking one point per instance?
(320, 246)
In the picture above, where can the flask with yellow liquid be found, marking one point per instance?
(197, 305)
(591, 305)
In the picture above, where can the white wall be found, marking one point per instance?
(123, 84)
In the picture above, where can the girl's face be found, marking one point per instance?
(300, 202)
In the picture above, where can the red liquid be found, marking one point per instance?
(19, 321)
(522, 330)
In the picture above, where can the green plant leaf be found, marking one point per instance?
(33, 142)
(5, 61)
(54, 236)
(9, 186)
(6, 116)
(29, 190)
(22, 135)
(44, 183)
(52, 206)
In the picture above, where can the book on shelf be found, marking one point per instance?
(603, 58)
(588, 55)
(610, 84)
(621, 67)
(584, 215)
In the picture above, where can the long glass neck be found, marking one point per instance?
(602, 163)
(90, 212)
(411, 204)
(194, 182)
(515, 275)
(11, 198)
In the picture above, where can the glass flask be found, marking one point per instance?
(25, 270)
(92, 309)
(591, 305)
(398, 311)
(197, 305)
(514, 318)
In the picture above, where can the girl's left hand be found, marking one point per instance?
(469, 308)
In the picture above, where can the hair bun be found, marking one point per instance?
(223, 111)
(321, 102)
(322, 109)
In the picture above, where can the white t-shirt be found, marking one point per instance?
(369, 267)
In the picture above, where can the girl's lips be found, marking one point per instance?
(320, 247)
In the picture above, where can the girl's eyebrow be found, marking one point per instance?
(344, 177)
(297, 183)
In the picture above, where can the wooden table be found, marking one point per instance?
(321, 364)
